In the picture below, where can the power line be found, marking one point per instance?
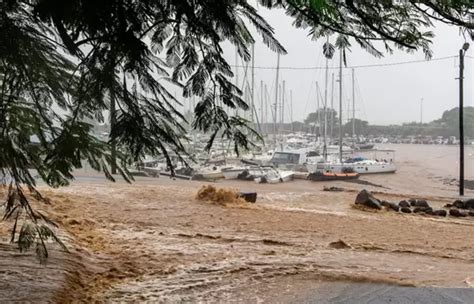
(354, 66)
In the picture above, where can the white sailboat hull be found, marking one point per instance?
(372, 168)
(358, 167)
(232, 173)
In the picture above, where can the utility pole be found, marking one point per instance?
(353, 108)
(462, 52)
(340, 105)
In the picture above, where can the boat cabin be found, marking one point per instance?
(285, 158)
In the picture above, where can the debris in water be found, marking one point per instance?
(340, 245)
(333, 189)
(250, 197)
(219, 196)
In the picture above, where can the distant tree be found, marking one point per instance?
(313, 117)
(361, 127)
(450, 121)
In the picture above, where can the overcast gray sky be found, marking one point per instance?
(384, 95)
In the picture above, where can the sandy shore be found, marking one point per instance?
(153, 241)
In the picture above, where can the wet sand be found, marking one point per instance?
(153, 241)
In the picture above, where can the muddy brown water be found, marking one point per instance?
(153, 241)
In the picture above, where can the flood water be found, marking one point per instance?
(153, 241)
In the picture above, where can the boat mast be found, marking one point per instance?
(262, 121)
(332, 106)
(252, 97)
(283, 106)
(340, 105)
(291, 109)
(318, 113)
(276, 99)
(266, 106)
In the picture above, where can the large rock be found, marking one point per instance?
(365, 198)
(422, 203)
(457, 213)
(440, 212)
(469, 203)
(422, 209)
(405, 210)
(418, 203)
(458, 204)
(404, 204)
(393, 206)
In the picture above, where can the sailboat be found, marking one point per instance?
(350, 166)
(325, 171)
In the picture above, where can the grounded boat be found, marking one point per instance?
(331, 176)
(214, 172)
(364, 146)
(373, 166)
(268, 175)
(361, 167)
(232, 172)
